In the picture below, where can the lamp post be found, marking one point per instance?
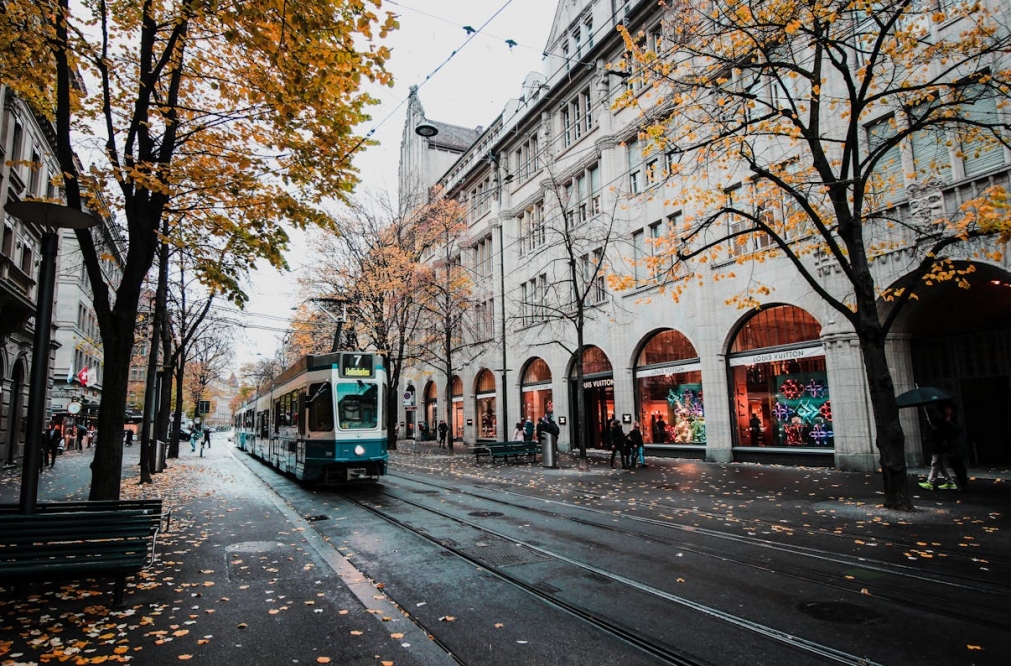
(49, 217)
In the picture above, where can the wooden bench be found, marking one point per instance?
(83, 542)
(506, 450)
(152, 505)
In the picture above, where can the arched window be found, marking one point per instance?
(487, 417)
(535, 387)
(780, 383)
(668, 382)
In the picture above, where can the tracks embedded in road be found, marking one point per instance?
(658, 649)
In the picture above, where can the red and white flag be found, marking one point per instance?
(82, 376)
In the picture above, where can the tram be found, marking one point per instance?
(322, 420)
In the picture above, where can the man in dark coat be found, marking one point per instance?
(53, 439)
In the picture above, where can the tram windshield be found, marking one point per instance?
(320, 407)
(357, 405)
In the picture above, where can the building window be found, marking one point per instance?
(485, 399)
(582, 197)
(980, 151)
(484, 320)
(533, 292)
(483, 258)
(780, 382)
(576, 117)
(526, 158)
(593, 277)
(634, 167)
(532, 231)
(535, 386)
(887, 183)
(668, 383)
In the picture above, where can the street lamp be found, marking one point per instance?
(49, 217)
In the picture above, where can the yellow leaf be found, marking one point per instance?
(356, 633)
(322, 660)
(185, 657)
(973, 647)
(396, 636)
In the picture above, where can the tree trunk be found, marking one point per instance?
(889, 437)
(107, 465)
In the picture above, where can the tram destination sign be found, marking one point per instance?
(357, 366)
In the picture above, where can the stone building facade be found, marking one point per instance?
(783, 383)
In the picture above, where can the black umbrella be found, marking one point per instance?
(923, 395)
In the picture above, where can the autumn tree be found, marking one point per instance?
(443, 295)
(241, 115)
(371, 267)
(829, 112)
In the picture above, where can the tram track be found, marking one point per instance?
(975, 609)
(656, 649)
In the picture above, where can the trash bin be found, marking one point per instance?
(548, 450)
(159, 456)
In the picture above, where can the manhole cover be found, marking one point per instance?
(504, 554)
(485, 514)
(841, 613)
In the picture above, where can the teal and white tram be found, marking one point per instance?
(322, 420)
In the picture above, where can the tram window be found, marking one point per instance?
(320, 407)
(357, 405)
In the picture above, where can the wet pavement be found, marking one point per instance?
(242, 576)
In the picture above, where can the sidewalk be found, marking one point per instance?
(239, 579)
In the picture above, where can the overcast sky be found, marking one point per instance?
(468, 88)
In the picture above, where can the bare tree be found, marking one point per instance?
(569, 245)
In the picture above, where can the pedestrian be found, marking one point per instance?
(207, 437)
(443, 432)
(52, 449)
(128, 437)
(528, 430)
(92, 437)
(619, 443)
(635, 437)
(955, 453)
(193, 441)
(79, 432)
(518, 432)
(939, 446)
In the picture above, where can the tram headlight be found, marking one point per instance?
(359, 450)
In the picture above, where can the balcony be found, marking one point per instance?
(16, 297)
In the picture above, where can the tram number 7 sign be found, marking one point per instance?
(356, 365)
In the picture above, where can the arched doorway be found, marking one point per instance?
(535, 390)
(668, 389)
(484, 404)
(960, 341)
(456, 389)
(598, 393)
(15, 412)
(426, 429)
(780, 385)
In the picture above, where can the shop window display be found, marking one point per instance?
(537, 397)
(669, 390)
(781, 394)
(486, 414)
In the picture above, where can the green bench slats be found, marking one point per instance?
(506, 450)
(79, 540)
